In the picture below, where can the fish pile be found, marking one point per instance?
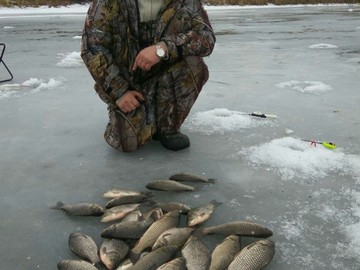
(146, 234)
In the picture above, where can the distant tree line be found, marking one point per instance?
(35, 3)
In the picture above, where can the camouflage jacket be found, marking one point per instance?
(110, 40)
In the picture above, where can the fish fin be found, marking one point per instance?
(58, 206)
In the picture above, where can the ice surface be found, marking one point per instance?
(313, 87)
(300, 63)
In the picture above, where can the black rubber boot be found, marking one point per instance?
(174, 141)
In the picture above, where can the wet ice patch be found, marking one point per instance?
(221, 120)
(69, 60)
(323, 46)
(290, 157)
(312, 87)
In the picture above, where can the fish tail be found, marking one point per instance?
(58, 206)
(98, 265)
(216, 203)
(199, 233)
(148, 203)
(211, 180)
(105, 233)
(134, 256)
(148, 194)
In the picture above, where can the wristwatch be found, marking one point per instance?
(160, 52)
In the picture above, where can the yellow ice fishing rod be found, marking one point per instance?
(328, 145)
(261, 115)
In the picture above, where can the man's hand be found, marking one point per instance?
(129, 101)
(146, 58)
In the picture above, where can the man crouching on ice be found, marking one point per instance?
(146, 57)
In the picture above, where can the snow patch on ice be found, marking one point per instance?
(353, 233)
(6, 91)
(70, 60)
(352, 228)
(234, 204)
(76, 37)
(40, 84)
(288, 131)
(8, 27)
(33, 84)
(312, 87)
(326, 206)
(221, 120)
(290, 157)
(323, 46)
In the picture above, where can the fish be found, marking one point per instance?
(196, 254)
(84, 247)
(254, 256)
(169, 185)
(118, 212)
(173, 237)
(117, 192)
(188, 177)
(149, 238)
(75, 264)
(171, 206)
(127, 229)
(175, 264)
(127, 199)
(154, 213)
(125, 264)
(155, 259)
(135, 215)
(201, 214)
(80, 209)
(224, 253)
(112, 252)
(241, 228)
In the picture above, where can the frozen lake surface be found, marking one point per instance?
(299, 63)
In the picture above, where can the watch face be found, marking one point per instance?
(160, 51)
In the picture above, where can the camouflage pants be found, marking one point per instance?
(169, 97)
